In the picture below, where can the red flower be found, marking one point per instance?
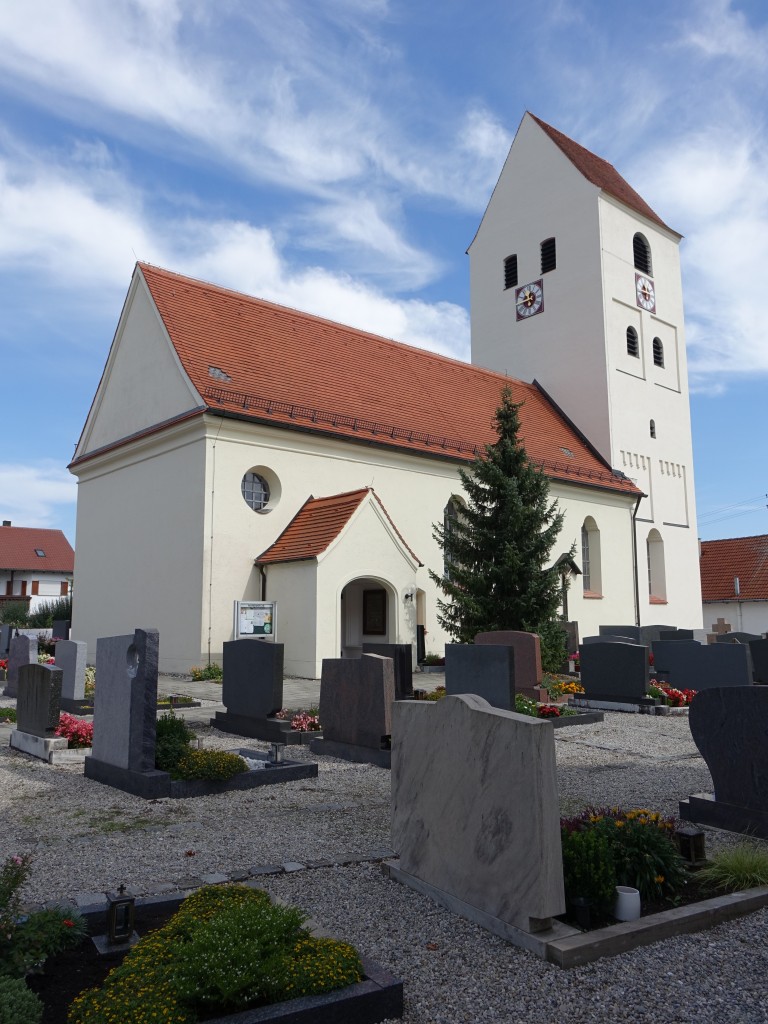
(67, 923)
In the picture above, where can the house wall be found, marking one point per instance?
(743, 616)
(139, 550)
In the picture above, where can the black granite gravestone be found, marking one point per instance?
(39, 701)
(631, 632)
(487, 670)
(650, 633)
(606, 638)
(759, 651)
(729, 726)
(402, 658)
(6, 632)
(668, 635)
(253, 678)
(614, 672)
(688, 665)
(736, 637)
(60, 629)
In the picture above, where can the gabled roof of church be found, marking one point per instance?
(254, 360)
(600, 173)
(317, 524)
(722, 561)
(19, 546)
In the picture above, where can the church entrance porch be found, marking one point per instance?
(368, 615)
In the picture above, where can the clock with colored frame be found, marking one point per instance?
(529, 300)
(645, 294)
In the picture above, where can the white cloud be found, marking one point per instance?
(717, 29)
(33, 493)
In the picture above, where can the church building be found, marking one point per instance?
(237, 450)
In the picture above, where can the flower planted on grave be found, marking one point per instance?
(76, 731)
(301, 721)
(549, 711)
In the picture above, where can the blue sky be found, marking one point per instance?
(337, 157)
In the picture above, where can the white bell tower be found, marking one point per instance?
(575, 282)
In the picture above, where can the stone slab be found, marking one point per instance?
(156, 784)
(402, 660)
(704, 809)
(38, 703)
(488, 670)
(71, 657)
(475, 809)
(615, 671)
(37, 746)
(688, 665)
(271, 730)
(253, 678)
(22, 650)
(527, 648)
(759, 651)
(606, 705)
(124, 712)
(351, 752)
(356, 698)
(74, 755)
(60, 629)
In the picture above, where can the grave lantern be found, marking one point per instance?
(120, 912)
(692, 846)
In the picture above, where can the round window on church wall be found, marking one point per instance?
(255, 490)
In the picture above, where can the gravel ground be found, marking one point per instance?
(87, 838)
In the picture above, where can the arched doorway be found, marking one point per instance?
(368, 615)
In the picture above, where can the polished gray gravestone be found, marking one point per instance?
(759, 651)
(125, 712)
(729, 726)
(667, 635)
(614, 671)
(38, 706)
(688, 665)
(527, 660)
(22, 651)
(736, 637)
(71, 657)
(402, 659)
(6, 632)
(356, 698)
(60, 629)
(476, 816)
(653, 632)
(252, 690)
(488, 670)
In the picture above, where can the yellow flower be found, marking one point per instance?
(659, 879)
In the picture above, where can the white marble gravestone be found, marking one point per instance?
(475, 813)
(71, 656)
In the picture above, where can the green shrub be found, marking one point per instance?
(226, 946)
(209, 671)
(742, 867)
(553, 643)
(42, 934)
(589, 868)
(211, 765)
(7, 714)
(526, 706)
(436, 694)
(42, 617)
(171, 741)
(18, 1005)
(15, 613)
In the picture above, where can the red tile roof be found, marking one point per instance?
(317, 524)
(278, 365)
(724, 560)
(19, 543)
(600, 173)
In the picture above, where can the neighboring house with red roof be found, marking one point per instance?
(36, 565)
(734, 583)
(237, 450)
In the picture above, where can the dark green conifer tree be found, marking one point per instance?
(497, 548)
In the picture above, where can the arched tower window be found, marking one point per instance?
(451, 514)
(641, 252)
(658, 352)
(510, 271)
(633, 343)
(548, 255)
(657, 578)
(653, 428)
(591, 576)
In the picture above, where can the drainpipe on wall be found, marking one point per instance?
(634, 560)
(263, 572)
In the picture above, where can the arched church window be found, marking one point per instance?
(641, 252)
(510, 271)
(451, 514)
(657, 579)
(633, 343)
(658, 352)
(591, 575)
(548, 255)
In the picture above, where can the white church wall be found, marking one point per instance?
(294, 586)
(143, 382)
(139, 546)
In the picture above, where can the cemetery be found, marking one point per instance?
(467, 840)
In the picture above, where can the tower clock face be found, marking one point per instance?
(646, 296)
(529, 300)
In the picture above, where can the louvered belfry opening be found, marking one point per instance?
(510, 271)
(548, 255)
(642, 254)
(633, 343)
(658, 352)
